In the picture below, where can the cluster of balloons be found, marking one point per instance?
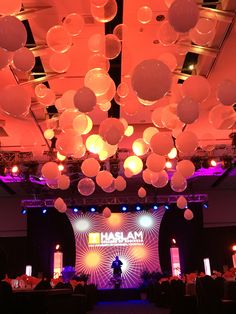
(148, 84)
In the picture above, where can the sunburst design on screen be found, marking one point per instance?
(96, 260)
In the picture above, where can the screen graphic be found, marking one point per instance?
(131, 236)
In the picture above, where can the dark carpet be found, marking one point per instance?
(127, 307)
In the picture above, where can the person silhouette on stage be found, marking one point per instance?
(116, 265)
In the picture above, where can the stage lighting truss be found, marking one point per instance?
(119, 200)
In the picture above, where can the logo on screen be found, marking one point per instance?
(115, 239)
(94, 238)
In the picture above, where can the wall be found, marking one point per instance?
(12, 222)
(221, 210)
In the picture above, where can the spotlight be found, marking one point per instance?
(213, 163)
(155, 207)
(166, 206)
(75, 210)
(191, 67)
(14, 169)
(138, 207)
(57, 247)
(124, 208)
(61, 167)
(44, 211)
(234, 248)
(92, 209)
(24, 211)
(173, 241)
(168, 164)
(205, 205)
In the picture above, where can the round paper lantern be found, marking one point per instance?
(129, 131)
(148, 134)
(48, 134)
(10, 7)
(123, 90)
(59, 62)
(173, 153)
(48, 98)
(169, 59)
(59, 203)
(110, 189)
(62, 209)
(98, 61)
(5, 58)
(108, 149)
(183, 15)
(155, 162)
(151, 79)
(67, 99)
(161, 143)
(96, 42)
(142, 192)
(111, 130)
(94, 143)
(89, 126)
(134, 164)
(161, 180)
(52, 184)
(120, 31)
(181, 202)
(144, 14)
(80, 123)
(201, 39)
(104, 13)
(69, 143)
(205, 25)
(186, 142)
(156, 117)
(186, 168)
(60, 157)
(188, 214)
(63, 182)
(85, 99)
(99, 3)
(13, 34)
(98, 81)
(50, 170)
(90, 167)
(80, 152)
(169, 117)
(112, 46)
(120, 183)
(104, 178)
(58, 39)
(196, 87)
(128, 173)
(15, 94)
(66, 118)
(222, 117)
(147, 176)
(108, 95)
(74, 23)
(140, 147)
(23, 59)
(167, 35)
(178, 183)
(226, 92)
(106, 212)
(40, 90)
(188, 110)
(86, 186)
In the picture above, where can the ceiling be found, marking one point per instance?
(22, 139)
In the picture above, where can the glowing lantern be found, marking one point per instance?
(139, 147)
(134, 164)
(94, 144)
(48, 134)
(90, 167)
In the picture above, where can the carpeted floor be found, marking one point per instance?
(127, 307)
